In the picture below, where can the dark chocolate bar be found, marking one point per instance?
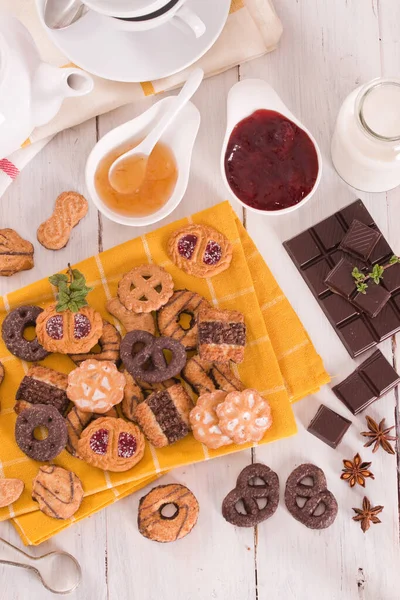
(328, 426)
(316, 251)
(360, 240)
(341, 281)
(374, 378)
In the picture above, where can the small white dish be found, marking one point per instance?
(244, 99)
(180, 137)
(125, 8)
(94, 44)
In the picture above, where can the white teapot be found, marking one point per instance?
(31, 91)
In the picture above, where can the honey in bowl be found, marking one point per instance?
(155, 191)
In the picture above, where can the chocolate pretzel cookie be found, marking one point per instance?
(182, 302)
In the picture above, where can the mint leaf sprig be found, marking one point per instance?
(72, 290)
(376, 275)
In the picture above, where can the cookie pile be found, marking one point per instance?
(123, 390)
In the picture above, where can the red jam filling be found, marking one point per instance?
(99, 441)
(186, 245)
(126, 445)
(82, 326)
(212, 253)
(270, 163)
(55, 327)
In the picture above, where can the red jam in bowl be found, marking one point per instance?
(270, 163)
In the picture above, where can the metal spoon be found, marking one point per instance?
(59, 14)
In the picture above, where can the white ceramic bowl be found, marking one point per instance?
(180, 137)
(244, 98)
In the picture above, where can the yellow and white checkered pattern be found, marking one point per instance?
(280, 361)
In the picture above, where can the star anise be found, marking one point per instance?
(379, 435)
(356, 471)
(367, 514)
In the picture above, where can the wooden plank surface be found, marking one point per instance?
(328, 48)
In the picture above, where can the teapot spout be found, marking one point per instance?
(51, 85)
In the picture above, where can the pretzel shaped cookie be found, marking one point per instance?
(69, 209)
(200, 250)
(145, 288)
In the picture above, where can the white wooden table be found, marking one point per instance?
(328, 47)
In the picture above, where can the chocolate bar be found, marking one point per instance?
(341, 281)
(316, 251)
(360, 240)
(374, 378)
(328, 426)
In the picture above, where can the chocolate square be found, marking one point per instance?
(355, 393)
(358, 211)
(329, 232)
(381, 253)
(328, 426)
(380, 373)
(386, 323)
(340, 278)
(373, 301)
(357, 337)
(316, 275)
(339, 308)
(391, 278)
(360, 240)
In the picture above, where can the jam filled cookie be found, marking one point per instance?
(244, 416)
(58, 492)
(164, 416)
(42, 385)
(133, 395)
(205, 422)
(204, 376)
(148, 363)
(96, 386)
(182, 302)
(222, 335)
(76, 421)
(16, 254)
(129, 319)
(41, 415)
(200, 250)
(111, 444)
(109, 343)
(13, 329)
(145, 288)
(157, 527)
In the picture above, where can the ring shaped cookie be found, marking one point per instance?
(41, 415)
(145, 288)
(149, 363)
(244, 416)
(13, 329)
(154, 525)
(168, 317)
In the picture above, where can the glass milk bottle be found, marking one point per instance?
(366, 140)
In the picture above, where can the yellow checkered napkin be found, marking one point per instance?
(280, 361)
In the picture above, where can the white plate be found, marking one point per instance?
(94, 45)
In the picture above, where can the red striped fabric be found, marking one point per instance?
(8, 168)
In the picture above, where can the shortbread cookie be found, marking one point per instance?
(155, 526)
(129, 319)
(42, 385)
(69, 209)
(111, 444)
(13, 329)
(204, 376)
(16, 254)
(205, 423)
(200, 250)
(164, 416)
(109, 343)
(41, 415)
(182, 302)
(96, 386)
(76, 421)
(10, 491)
(244, 416)
(145, 288)
(222, 335)
(133, 395)
(59, 492)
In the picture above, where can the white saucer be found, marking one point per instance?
(92, 44)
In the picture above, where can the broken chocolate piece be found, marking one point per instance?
(360, 240)
(328, 426)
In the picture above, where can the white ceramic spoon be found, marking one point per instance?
(128, 171)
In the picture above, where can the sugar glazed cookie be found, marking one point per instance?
(109, 343)
(10, 491)
(41, 415)
(159, 528)
(205, 423)
(164, 416)
(13, 329)
(200, 250)
(16, 254)
(182, 302)
(58, 492)
(145, 288)
(96, 386)
(69, 209)
(111, 444)
(244, 416)
(129, 319)
(222, 335)
(204, 376)
(42, 385)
